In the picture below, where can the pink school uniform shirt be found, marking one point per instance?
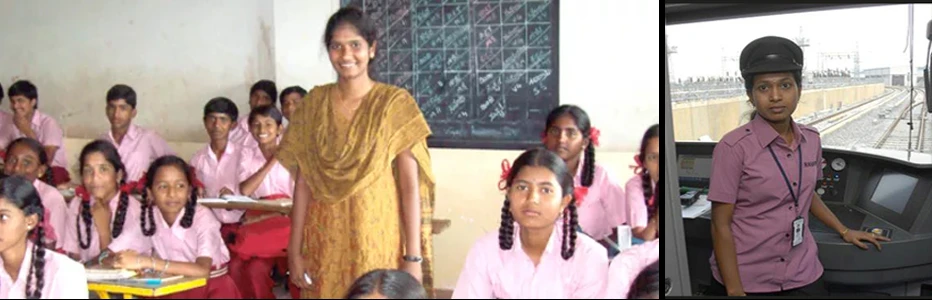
(138, 149)
(176, 243)
(625, 268)
(277, 181)
(47, 130)
(745, 174)
(131, 238)
(64, 278)
(217, 174)
(604, 205)
(57, 212)
(490, 272)
(637, 208)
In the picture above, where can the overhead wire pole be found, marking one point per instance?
(912, 92)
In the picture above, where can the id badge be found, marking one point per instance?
(798, 231)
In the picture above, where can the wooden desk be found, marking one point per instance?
(284, 206)
(129, 289)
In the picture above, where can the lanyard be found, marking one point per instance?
(799, 152)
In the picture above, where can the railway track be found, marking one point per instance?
(898, 135)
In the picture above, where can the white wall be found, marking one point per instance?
(608, 66)
(300, 56)
(175, 54)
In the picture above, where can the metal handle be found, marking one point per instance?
(667, 288)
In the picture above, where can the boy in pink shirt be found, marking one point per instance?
(28, 121)
(261, 93)
(38, 273)
(290, 98)
(137, 146)
(536, 253)
(217, 163)
(261, 176)
(185, 236)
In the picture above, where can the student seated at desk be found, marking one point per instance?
(290, 98)
(625, 267)
(543, 256)
(640, 187)
(28, 121)
(262, 93)
(386, 284)
(217, 163)
(137, 146)
(25, 157)
(29, 270)
(262, 240)
(185, 236)
(107, 220)
(570, 134)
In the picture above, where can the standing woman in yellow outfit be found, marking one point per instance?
(363, 183)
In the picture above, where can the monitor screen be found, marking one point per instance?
(694, 170)
(894, 191)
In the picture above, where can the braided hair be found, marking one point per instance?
(20, 192)
(553, 162)
(110, 153)
(646, 182)
(38, 149)
(147, 218)
(582, 122)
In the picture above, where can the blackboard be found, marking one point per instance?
(483, 72)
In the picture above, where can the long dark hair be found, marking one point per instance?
(542, 158)
(17, 190)
(393, 284)
(167, 161)
(646, 182)
(647, 282)
(37, 148)
(113, 157)
(582, 122)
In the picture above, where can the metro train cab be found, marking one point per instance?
(862, 93)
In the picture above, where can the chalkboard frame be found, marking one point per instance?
(526, 142)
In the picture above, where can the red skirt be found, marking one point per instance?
(264, 239)
(218, 287)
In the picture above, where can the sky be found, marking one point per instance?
(878, 33)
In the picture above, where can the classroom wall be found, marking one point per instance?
(607, 55)
(176, 54)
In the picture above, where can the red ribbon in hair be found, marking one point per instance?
(580, 193)
(639, 167)
(135, 186)
(503, 179)
(594, 135)
(82, 193)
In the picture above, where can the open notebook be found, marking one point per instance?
(227, 199)
(96, 274)
(147, 278)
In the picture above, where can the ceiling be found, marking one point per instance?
(680, 13)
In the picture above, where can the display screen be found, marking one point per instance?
(694, 170)
(894, 190)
